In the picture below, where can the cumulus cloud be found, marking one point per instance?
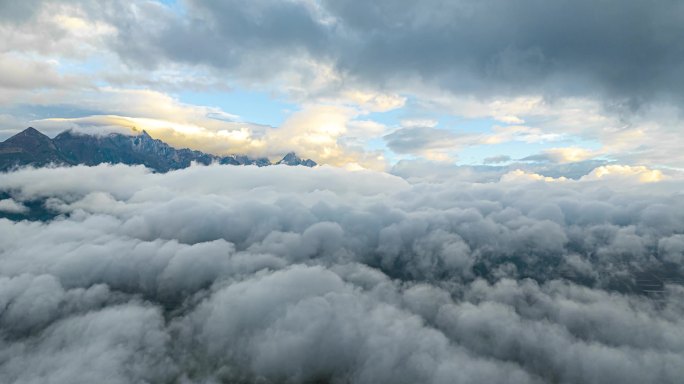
(11, 206)
(285, 274)
(643, 174)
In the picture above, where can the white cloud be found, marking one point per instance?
(568, 154)
(289, 273)
(11, 206)
(640, 173)
(520, 175)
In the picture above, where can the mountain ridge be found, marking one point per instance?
(32, 147)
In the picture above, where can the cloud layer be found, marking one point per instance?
(284, 274)
(491, 47)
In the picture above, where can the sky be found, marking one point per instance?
(545, 86)
(499, 195)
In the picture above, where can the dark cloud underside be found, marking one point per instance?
(626, 50)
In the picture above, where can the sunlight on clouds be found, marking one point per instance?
(318, 82)
(331, 126)
(158, 125)
(569, 154)
(135, 44)
(613, 172)
(82, 28)
(179, 135)
(317, 131)
(520, 175)
(241, 134)
(440, 157)
(641, 173)
(338, 134)
(375, 102)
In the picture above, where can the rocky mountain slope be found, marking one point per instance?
(31, 147)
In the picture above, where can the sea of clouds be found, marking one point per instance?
(225, 274)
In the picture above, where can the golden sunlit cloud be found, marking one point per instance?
(520, 175)
(640, 173)
(569, 154)
(316, 131)
(627, 173)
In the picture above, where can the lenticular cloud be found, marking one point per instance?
(225, 274)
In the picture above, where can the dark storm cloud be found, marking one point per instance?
(257, 38)
(241, 274)
(628, 50)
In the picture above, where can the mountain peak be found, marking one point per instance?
(292, 159)
(29, 134)
(31, 147)
(28, 147)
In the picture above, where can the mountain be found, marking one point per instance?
(31, 147)
(292, 159)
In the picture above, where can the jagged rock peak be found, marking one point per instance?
(31, 147)
(292, 159)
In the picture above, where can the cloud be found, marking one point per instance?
(546, 73)
(11, 206)
(11, 11)
(643, 174)
(348, 48)
(69, 29)
(519, 133)
(28, 74)
(520, 175)
(223, 273)
(423, 170)
(497, 159)
(325, 133)
(493, 47)
(432, 143)
(562, 155)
